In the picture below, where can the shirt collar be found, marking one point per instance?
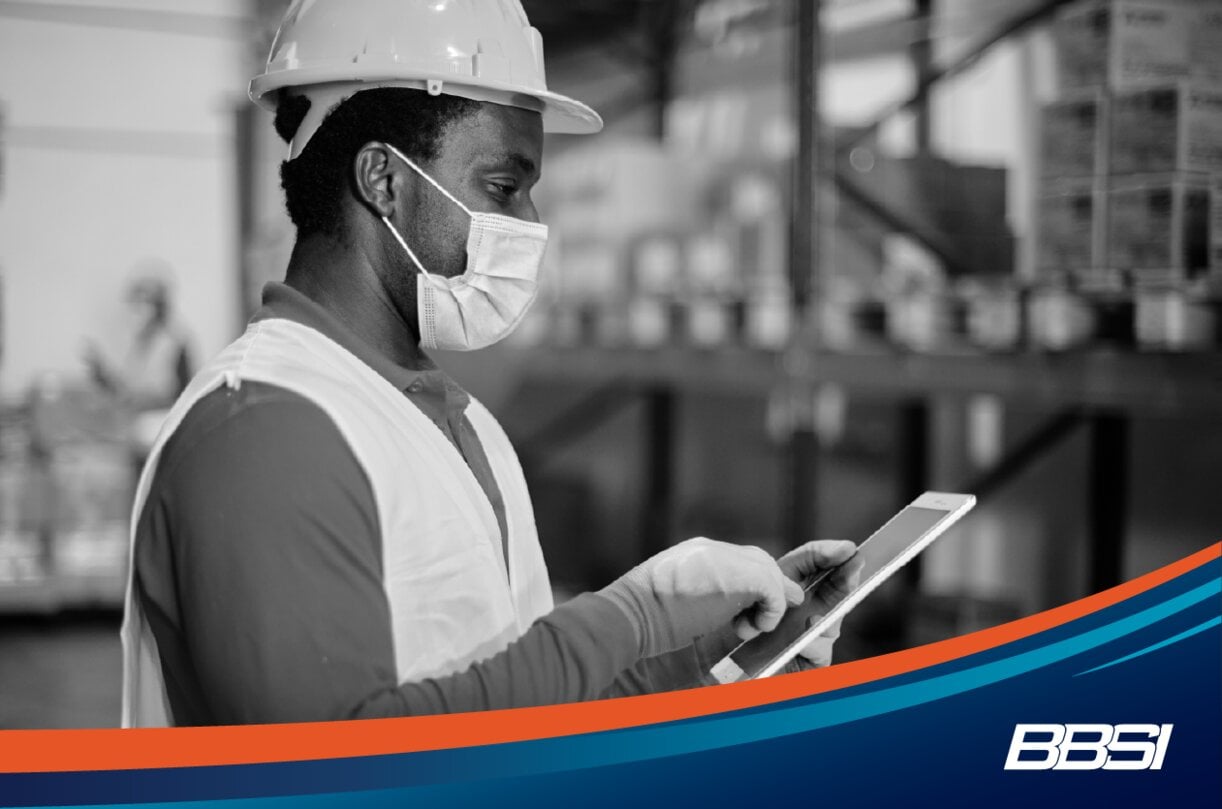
(282, 301)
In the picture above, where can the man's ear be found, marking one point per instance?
(378, 179)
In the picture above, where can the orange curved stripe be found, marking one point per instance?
(114, 749)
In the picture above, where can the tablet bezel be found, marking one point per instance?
(954, 506)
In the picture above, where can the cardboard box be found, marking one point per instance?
(1170, 128)
(1158, 227)
(962, 208)
(1205, 45)
(1070, 226)
(1215, 224)
(1134, 43)
(1073, 136)
(1095, 281)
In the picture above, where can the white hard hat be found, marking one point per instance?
(484, 50)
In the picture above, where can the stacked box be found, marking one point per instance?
(1167, 128)
(1148, 75)
(1134, 43)
(1157, 226)
(1206, 42)
(1073, 141)
(1071, 226)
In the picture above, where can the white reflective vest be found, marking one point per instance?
(452, 601)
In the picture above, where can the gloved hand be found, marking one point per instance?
(800, 565)
(701, 585)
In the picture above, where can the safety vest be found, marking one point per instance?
(452, 601)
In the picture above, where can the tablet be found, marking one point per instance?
(905, 535)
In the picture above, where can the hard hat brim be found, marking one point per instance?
(561, 115)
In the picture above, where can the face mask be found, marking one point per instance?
(486, 302)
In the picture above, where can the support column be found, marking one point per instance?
(1107, 498)
(801, 452)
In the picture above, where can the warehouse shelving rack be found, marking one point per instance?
(1099, 391)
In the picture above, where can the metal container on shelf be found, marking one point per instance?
(713, 288)
(767, 319)
(1109, 293)
(607, 324)
(1059, 319)
(1177, 319)
(994, 315)
(657, 274)
(850, 317)
(710, 321)
(649, 321)
(927, 321)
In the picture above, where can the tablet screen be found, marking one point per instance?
(878, 553)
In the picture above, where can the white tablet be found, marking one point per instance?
(888, 549)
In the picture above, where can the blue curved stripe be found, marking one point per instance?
(389, 779)
(1205, 574)
(1187, 633)
(665, 740)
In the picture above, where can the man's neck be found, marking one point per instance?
(342, 280)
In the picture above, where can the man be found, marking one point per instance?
(329, 527)
(157, 365)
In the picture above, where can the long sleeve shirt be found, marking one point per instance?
(258, 565)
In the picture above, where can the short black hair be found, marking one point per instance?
(412, 120)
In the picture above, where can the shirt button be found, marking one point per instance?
(415, 387)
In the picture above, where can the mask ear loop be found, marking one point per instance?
(403, 244)
(434, 183)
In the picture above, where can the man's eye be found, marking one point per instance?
(502, 189)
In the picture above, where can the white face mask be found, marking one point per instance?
(486, 302)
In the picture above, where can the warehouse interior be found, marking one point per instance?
(826, 255)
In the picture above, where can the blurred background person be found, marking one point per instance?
(157, 362)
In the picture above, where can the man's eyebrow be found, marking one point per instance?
(521, 161)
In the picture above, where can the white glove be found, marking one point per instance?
(699, 586)
(802, 563)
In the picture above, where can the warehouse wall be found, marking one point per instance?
(97, 179)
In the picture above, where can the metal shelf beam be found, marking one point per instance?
(1140, 384)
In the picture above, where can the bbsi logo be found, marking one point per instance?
(1088, 747)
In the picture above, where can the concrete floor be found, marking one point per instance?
(60, 672)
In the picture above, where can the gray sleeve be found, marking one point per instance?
(683, 668)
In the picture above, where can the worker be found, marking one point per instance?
(157, 364)
(329, 527)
